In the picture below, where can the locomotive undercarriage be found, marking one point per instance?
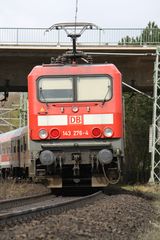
(96, 165)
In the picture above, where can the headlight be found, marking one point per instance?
(108, 132)
(43, 134)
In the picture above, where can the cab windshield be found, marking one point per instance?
(75, 88)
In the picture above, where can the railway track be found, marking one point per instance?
(17, 202)
(25, 209)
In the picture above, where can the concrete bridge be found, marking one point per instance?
(22, 49)
(135, 63)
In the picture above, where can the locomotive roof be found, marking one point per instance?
(4, 137)
(99, 67)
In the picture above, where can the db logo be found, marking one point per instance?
(75, 119)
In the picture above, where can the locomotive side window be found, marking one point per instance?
(100, 88)
(56, 89)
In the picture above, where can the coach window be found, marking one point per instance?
(21, 148)
(11, 147)
(8, 150)
(14, 149)
(24, 144)
(55, 89)
(94, 88)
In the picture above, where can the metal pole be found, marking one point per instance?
(23, 110)
(17, 36)
(100, 30)
(155, 151)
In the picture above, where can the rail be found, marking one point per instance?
(98, 37)
(43, 208)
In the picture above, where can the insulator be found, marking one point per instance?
(89, 59)
(52, 60)
(63, 59)
(58, 59)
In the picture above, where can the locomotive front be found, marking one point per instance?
(75, 124)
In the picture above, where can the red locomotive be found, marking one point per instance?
(75, 123)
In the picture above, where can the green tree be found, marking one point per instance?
(149, 36)
(138, 117)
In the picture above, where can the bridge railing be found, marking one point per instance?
(105, 36)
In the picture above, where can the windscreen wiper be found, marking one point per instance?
(43, 97)
(106, 95)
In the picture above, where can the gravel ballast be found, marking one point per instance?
(115, 217)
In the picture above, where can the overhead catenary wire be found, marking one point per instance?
(138, 91)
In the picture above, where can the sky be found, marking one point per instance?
(104, 13)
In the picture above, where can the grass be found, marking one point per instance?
(12, 189)
(146, 188)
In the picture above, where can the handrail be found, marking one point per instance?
(103, 36)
